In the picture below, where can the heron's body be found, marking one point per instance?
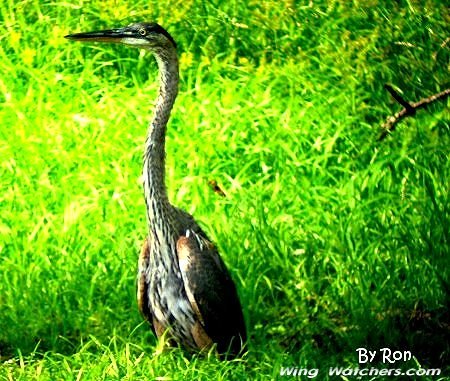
(184, 287)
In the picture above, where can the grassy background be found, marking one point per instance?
(336, 241)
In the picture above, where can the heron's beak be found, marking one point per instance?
(112, 35)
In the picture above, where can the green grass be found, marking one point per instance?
(336, 241)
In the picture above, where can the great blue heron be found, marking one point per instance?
(184, 287)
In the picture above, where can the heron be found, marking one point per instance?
(184, 289)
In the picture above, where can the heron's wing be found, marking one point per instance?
(142, 286)
(211, 292)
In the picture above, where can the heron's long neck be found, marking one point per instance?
(153, 173)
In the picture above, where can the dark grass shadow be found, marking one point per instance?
(425, 333)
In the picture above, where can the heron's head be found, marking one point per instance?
(142, 35)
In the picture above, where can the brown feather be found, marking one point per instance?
(142, 284)
(212, 293)
(185, 261)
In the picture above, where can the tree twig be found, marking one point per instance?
(409, 109)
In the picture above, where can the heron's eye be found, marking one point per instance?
(142, 32)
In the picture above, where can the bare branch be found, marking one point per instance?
(408, 110)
